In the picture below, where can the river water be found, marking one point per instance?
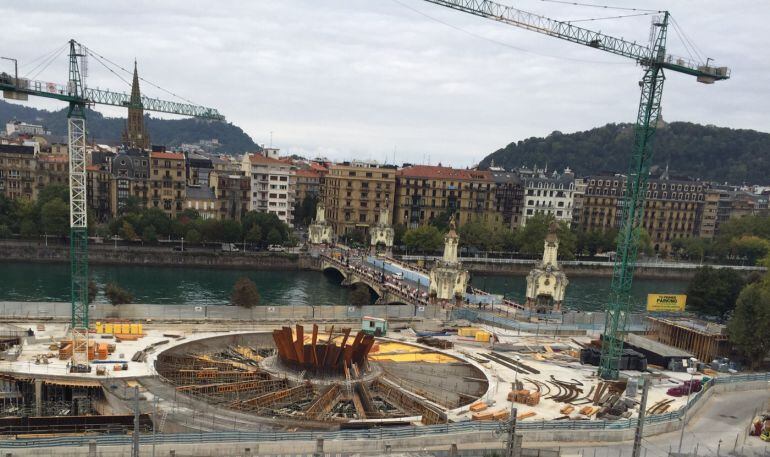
(198, 286)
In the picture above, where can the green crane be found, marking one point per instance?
(654, 60)
(78, 96)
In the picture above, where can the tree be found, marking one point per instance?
(245, 293)
(424, 239)
(93, 291)
(54, 216)
(398, 234)
(274, 236)
(231, 231)
(127, 231)
(486, 236)
(149, 235)
(645, 243)
(714, 291)
(117, 295)
(750, 247)
(5, 231)
(749, 326)
(28, 228)
(254, 235)
(53, 192)
(193, 236)
(304, 211)
(211, 230)
(360, 295)
(441, 221)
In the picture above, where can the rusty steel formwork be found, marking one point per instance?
(409, 403)
(326, 358)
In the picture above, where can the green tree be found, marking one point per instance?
(424, 239)
(28, 228)
(274, 236)
(211, 230)
(749, 326)
(193, 236)
(149, 235)
(750, 247)
(254, 235)
(714, 291)
(360, 295)
(244, 293)
(131, 205)
(304, 211)
(231, 231)
(54, 216)
(53, 192)
(117, 295)
(645, 243)
(441, 221)
(127, 232)
(485, 236)
(5, 231)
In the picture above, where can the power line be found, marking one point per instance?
(570, 21)
(47, 56)
(593, 5)
(91, 51)
(501, 43)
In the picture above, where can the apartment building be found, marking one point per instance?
(232, 191)
(98, 184)
(308, 184)
(423, 192)
(509, 196)
(52, 169)
(167, 182)
(550, 194)
(273, 185)
(130, 170)
(354, 192)
(18, 170)
(673, 207)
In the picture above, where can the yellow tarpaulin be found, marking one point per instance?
(670, 303)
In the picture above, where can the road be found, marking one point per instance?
(721, 424)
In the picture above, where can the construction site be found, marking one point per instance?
(312, 376)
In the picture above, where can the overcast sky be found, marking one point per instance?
(364, 78)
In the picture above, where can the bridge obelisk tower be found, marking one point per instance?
(382, 233)
(547, 282)
(320, 231)
(448, 280)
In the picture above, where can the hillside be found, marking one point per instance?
(707, 152)
(168, 132)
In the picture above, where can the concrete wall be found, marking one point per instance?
(58, 310)
(107, 254)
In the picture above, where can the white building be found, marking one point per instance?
(273, 186)
(22, 128)
(549, 194)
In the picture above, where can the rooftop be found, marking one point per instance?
(167, 155)
(258, 159)
(439, 172)
(16, 149)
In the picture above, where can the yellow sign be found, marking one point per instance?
(666, 303)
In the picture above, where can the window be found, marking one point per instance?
(362, 217)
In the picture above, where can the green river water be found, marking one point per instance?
(197, 286)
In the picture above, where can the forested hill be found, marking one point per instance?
(707, 152)
(168, 132)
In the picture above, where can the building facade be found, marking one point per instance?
(424, 192)
(18, 170)
(550, 195)
(509, 196)
(130, 169)
(273, 186)
(233, 192)
(673, 207)
(354, 192)
(167, 182)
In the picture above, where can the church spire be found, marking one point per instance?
(135, 136)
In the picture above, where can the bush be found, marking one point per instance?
(245, 293)
(117, 295)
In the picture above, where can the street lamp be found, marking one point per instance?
(516, 358)
(182, 244)
(691, 370)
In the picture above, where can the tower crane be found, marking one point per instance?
(79, 96)
(654, 60)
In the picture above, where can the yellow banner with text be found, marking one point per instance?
(669, 303)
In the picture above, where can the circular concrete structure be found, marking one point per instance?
(398, 382)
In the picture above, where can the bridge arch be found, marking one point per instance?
(374, 292)
(334, 271)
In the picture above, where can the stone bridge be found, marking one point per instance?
(353, 274)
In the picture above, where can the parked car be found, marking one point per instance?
(229, 247)
(276, 248)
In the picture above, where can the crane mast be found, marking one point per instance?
(654, 60)
(76, 141)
